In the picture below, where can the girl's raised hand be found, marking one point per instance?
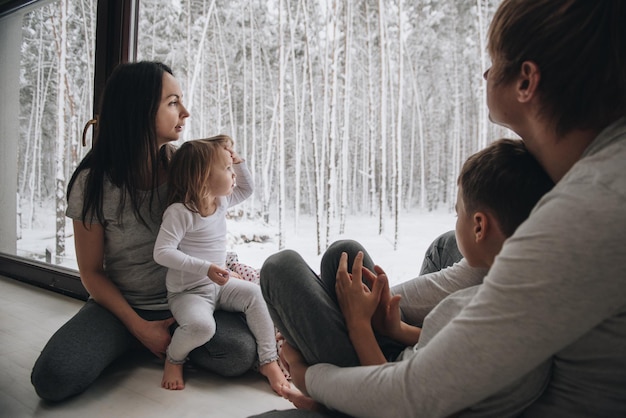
(236, 158)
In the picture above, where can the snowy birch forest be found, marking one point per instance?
(339, 107)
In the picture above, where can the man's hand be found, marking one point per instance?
(356, 301)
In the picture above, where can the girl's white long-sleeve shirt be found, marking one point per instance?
(188, 243)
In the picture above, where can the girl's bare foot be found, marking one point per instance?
(173, 376)
(275, 376)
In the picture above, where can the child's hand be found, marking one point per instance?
(218, 275)
(386, 320)
(235, 275)
(236, 158)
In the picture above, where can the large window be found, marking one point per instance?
(342, 109)
(56, 96)
(47, 79)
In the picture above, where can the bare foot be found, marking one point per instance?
(275, 376)
(173, 376)
(300, 400)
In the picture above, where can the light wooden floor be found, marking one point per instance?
(30, 315)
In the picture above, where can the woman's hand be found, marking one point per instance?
(218, 275)
(358, 304)
(155, 335)
(89, 242)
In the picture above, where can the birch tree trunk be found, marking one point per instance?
(382, 197)
(331, 184)
(398, 165)
(482, 107)
(317, 165)
(455, 134)
(281, 127)
(227, 82)
(296, 117)
(345, 153)
(60, 136)
(253, 94)
(196, 67)
(372, 138)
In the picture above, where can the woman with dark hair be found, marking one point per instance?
(554, 293)
(116, 198)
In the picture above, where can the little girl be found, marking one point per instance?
(192, 244)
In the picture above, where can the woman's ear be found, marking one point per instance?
(528, 81)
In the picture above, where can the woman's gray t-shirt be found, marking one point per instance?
(128, 243)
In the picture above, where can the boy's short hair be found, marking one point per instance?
(505, 180)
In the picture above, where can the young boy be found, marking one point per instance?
(498, 187)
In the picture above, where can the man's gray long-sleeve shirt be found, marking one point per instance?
(557, 290)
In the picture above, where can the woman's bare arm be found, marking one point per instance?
(89, 242)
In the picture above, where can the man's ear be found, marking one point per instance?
(528, 81)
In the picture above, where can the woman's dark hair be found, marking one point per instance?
(125, 149)
(580, 48)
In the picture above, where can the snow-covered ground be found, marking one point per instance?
(417, 231)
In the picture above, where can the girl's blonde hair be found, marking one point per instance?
(190, 169)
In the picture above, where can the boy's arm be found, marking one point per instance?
(421, 294)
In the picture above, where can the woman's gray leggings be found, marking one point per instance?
(94, 338)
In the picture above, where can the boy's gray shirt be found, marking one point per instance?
(556, 291)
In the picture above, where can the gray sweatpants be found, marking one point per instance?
(194, 308)
(288, 284)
